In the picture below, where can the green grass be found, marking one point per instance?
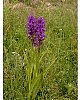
(60, 82)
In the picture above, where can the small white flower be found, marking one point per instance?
(13, 52)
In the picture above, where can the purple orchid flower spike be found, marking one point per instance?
(36, 30)
(31, 26)
(41, 25)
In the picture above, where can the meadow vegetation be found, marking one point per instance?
(60, 81)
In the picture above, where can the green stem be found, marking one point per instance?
(37, 61)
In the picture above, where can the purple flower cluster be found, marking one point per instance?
(36, 30)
